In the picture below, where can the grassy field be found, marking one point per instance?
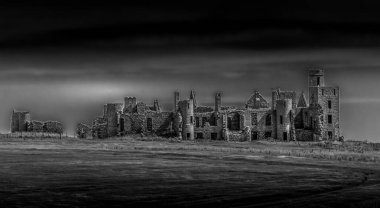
(152, 172)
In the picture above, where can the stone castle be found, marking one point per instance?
(21, 122)
(287, 118)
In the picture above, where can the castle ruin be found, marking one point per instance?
(21, 122)
(287, 118)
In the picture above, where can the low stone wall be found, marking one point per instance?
(237, 136)
(31, 135)
(304, 135)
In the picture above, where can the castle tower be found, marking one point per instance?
(186, 108)
(129, 104)
(218, 101)
(192, 97)
(176, 100)
(19, 121)
(327, 99)
(283, 108)
(316, 77)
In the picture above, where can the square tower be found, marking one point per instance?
(316, 77)
(329, 100)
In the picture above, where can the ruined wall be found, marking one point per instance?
(113, 111)
(328, 98)
(19, 121)
(161, 122)
(331, 97)
(150, 122)
(53, 127)
(36, 126)
(235, 120)
(129, 104)
(304, 135)
(316, 77)
(256, 101)
(300, 117)
(208, 125)
(186, 108)
(283, 108)
(237, 136)
(99, 130)
(83, 131)
(256, 120)
(278, 94)
(177, 126)
(176, 100)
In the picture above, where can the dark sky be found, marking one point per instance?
(63, 60)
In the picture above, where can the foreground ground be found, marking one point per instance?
(134, 173)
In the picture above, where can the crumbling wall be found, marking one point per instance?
(237, 136)
(129, 105)
(278, 94)
(36, 126)
(161, 122)
(112, 116)
(283, 108)
(208, 125)
(99, 128)
(141, 108)
(186, 108)
(53, 127)
(256, 119)
(304, 135)
(256, 101)
(19, 121)
(83, 131)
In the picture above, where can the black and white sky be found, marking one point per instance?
(63, 60)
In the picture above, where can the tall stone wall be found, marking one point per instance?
(53, 127)
(36, 126)
(129, 104)
(283, 108)
(256, 120)
(278, 94)
(112, 117)
(257, 101)
(19, 121)
(328, 98)
(186, 108)
(161, 122)
(208, 125)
